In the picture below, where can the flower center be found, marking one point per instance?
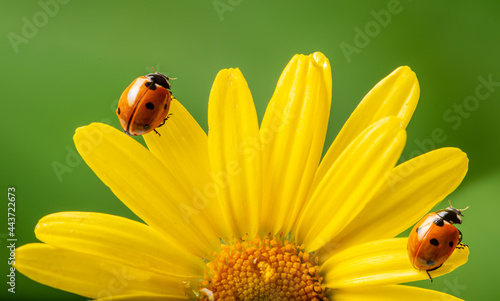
(262, 269)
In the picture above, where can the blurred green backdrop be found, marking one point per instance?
(64, 64)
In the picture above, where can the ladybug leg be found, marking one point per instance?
(460, 245)
(433, 269)
(164, 120)
(429, 275)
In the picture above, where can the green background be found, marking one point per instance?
(71, 68)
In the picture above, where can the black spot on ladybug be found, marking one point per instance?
(451, 244)
(118, 111)
(150, 105)
(434, 242)
(146, 127)
(150, 85)
(439, 222)
(165, 106)
(430, 262)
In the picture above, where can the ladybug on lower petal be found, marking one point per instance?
(434, 238)
(145, 103)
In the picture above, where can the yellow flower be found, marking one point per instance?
(249, 213)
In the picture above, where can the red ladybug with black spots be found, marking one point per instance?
(144, 104)
(434, 238)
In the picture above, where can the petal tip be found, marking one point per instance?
(405, 73)
(79, 130)
(227, 75)
(321, 60)
(411, 77)
(93, 129)
(404, 68)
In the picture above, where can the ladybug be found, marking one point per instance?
(434, 238)
(144, 105)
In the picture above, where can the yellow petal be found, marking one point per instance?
(390, 293)
(143, 183)
(234, 150)
(381, 262)
(183, 149)
(118, 239)
(143, 297)
(395, 95)
(410, 191)
(88, 275)
(351, 182)
(182, 145)
(292, 133)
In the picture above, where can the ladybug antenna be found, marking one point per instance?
(169, 78)
(449, 202)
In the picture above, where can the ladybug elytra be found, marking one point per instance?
(145, 103)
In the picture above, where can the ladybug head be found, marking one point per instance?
(451, 214)
(159, 79)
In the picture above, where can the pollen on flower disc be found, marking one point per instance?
(262, 269)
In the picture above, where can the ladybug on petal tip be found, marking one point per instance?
(434, 238)
(144, 104)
